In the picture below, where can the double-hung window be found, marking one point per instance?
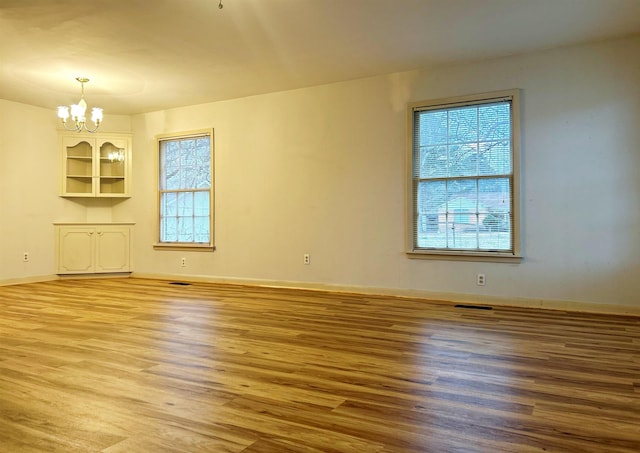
(463, 197)
(185, 190)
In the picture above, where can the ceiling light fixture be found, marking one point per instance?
(78, 112)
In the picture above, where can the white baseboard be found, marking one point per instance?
(48, 278)
(36, 279)
(441, 297)
(85, 276)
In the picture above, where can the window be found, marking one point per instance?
(463, 192)
(185, 190)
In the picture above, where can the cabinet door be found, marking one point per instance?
(76, 250)
(112, 167)
(77, 167)
(112, 249)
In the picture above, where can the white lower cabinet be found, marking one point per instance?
(83, 248)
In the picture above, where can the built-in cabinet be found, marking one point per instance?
(96, 165)
(93, 248)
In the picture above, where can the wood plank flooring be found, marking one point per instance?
(135, 365)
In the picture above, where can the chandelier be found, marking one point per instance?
(78, 112)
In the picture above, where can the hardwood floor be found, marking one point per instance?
(133, 365)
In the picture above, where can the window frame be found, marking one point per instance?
(412, 251)
(188, 246)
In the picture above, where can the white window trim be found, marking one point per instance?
(186, 246)
(465, 255)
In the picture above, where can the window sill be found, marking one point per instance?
(184, 246)
(457, 255)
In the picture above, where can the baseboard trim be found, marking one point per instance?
(431, 296)
(93, 276)
(34, 279)
(48, 278)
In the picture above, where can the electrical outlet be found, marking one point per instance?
(25, 257)
(481, 280)
(306, 258)
(183, 261)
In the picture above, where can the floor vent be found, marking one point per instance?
(475, 307)
(180, 283)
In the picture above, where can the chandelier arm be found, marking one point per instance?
(91, 130)
(76, 128)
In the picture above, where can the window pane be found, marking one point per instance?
(169, 229)
(495, 196)
(494, 121)
(172, 148)
(203, 156)
(201, 229)
(168, 204)
(203, 177)
(432, 127)
(433, 162)
(431, 196)
(463, 160)
(495, 158)
(170, 166)
(172, 177)
(201, 203)
(188, 177)
(188, 152)
(185, 229)
(460, 211)
(431, 231)
(463, 125)
(185, 204)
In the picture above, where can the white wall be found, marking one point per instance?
(28, 189)
(321, 170)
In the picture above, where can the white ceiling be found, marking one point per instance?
(147, 55)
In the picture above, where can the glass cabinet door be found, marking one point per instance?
(78, 168)
(112, 169)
